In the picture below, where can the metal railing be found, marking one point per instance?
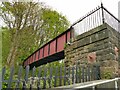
(95, 18)
(48, 77)
(93, 85)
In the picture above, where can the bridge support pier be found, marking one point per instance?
(99, 46)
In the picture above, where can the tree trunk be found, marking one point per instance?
(13, 50)
(11, 56)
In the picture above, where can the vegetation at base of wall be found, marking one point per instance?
(65, 45)
(107, 75)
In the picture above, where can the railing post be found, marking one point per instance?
(39, 78)
(65, 76)
(116, 85)
(26, 77)
(32, 79)
(93, 87)
(76, 74)
(19, 76)
(97, 70)
(68, 75)
(103, 19)
(50, 77)
(45, 77)
(119, 16)
(11, 77)
(60, 78)
(3, 73)
(73, 75)
(55, 77)
(83, 73)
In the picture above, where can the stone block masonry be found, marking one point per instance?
(97, 46)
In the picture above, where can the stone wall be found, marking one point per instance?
(98, 46)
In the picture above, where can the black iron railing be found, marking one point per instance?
(95, 18)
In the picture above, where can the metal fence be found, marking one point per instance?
(41, 78)
(105, 84)
(95, 18)
(102, 84)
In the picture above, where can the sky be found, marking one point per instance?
(74, 9)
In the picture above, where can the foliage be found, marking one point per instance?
(0, 50)
(53, 23)
(5, 43)
(18, 17)
(107, 75)
(29, 26)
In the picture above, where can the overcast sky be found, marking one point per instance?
(74, 9)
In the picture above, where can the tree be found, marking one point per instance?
(19, 16)
(30, 25)
(53, 23)
(5, 43)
